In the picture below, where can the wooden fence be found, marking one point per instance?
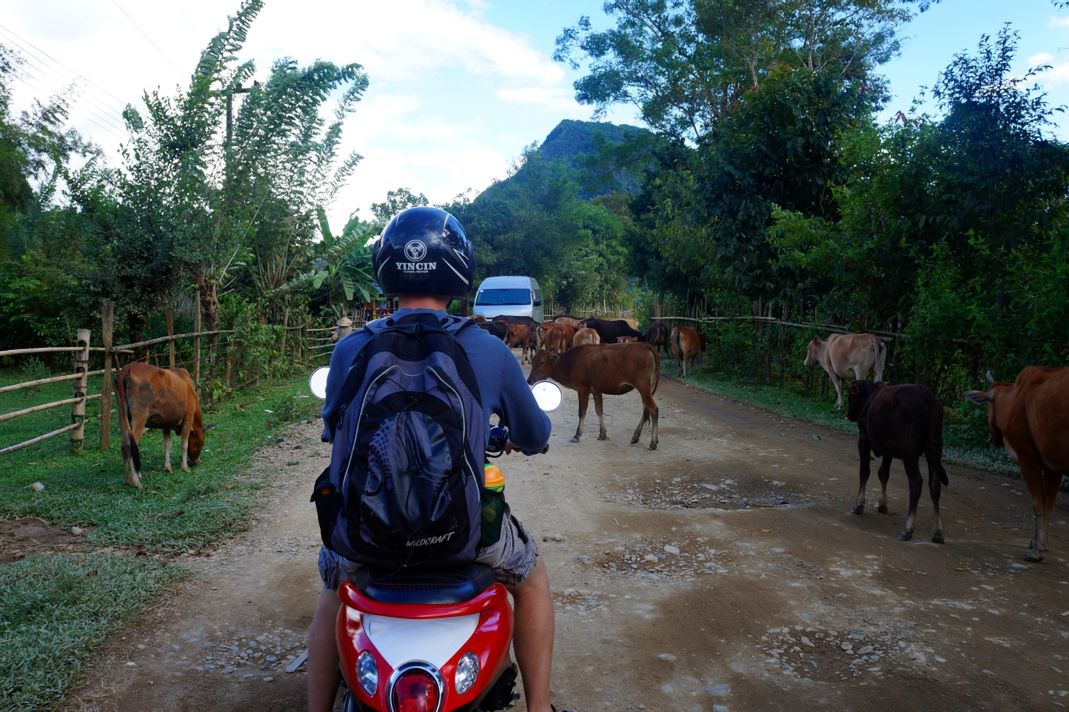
(307, 344)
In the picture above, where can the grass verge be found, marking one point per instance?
(55, 609)
(172, 513)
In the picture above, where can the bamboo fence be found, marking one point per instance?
(308, 345)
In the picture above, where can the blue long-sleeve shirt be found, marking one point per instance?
(502, 385)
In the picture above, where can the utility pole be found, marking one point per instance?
(230, 105)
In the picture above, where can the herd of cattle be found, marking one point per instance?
(597, 357)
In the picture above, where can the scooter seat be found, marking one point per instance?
(424, 586)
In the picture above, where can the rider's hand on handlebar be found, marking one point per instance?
(511, 447)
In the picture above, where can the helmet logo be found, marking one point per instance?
(415, 250)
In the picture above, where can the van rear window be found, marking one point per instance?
(502, 297)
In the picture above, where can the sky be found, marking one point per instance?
(457, 88)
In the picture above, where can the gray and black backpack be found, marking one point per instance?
(404, 481)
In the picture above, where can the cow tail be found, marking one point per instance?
(656, 369)
(129, 447)
(934, 451)
(881, 357)
(677, 345)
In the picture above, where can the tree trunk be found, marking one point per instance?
(209, 300)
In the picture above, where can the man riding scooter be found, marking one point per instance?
(425, 258)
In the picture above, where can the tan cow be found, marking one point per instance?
(568, 320)
(611, 369)
(687, 344)
(843, 355)
(1030, 418)
(557, 337)
(586, 337)
(164, 398)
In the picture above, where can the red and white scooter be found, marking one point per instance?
(429, 640)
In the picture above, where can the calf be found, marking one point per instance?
(657, 336)
(163, 398)
(845, 354)
(586, 337)
(903, 421)
(608, 330)
(614, 369)
(1030, 418)
(687, 344)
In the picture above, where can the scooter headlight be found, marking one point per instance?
(467, 673)
(367, 673)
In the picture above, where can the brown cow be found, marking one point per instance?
(687, 344)
(1030, 418)
(614, 369)
(586, 337)
(902, 421)
(163, 398)
(521, 336)
(845, 354)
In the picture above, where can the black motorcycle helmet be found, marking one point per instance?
(424, 251)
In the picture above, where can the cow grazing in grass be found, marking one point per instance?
(904, 421)
(610, 330)
(657, 336)
(1030, 418)
(687, 344)
(162, 398)
(611, 369)
(586, 337)
(843, 355)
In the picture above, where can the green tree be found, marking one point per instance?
(396, 201)
(222, 202)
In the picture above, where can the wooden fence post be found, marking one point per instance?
(81, 365)
(196, 339)
(285, 331)
(107, 335)
(170, 333)
(345, 327)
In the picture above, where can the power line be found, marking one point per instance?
(72, 71)
(105, 113)
(145, 34)
(35, 85)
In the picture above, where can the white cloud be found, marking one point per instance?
(1059, 22)
(1058, 74)
(452, 98)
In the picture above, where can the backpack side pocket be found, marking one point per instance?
(328, 502)
(494, 511)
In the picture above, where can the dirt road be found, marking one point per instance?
(719, 572)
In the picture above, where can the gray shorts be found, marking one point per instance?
(512, 558)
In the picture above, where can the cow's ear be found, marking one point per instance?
(989, 379)
(209, 426)
(977, 397)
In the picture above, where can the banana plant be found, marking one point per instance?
(345, 265)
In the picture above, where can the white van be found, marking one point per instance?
(509, 296)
